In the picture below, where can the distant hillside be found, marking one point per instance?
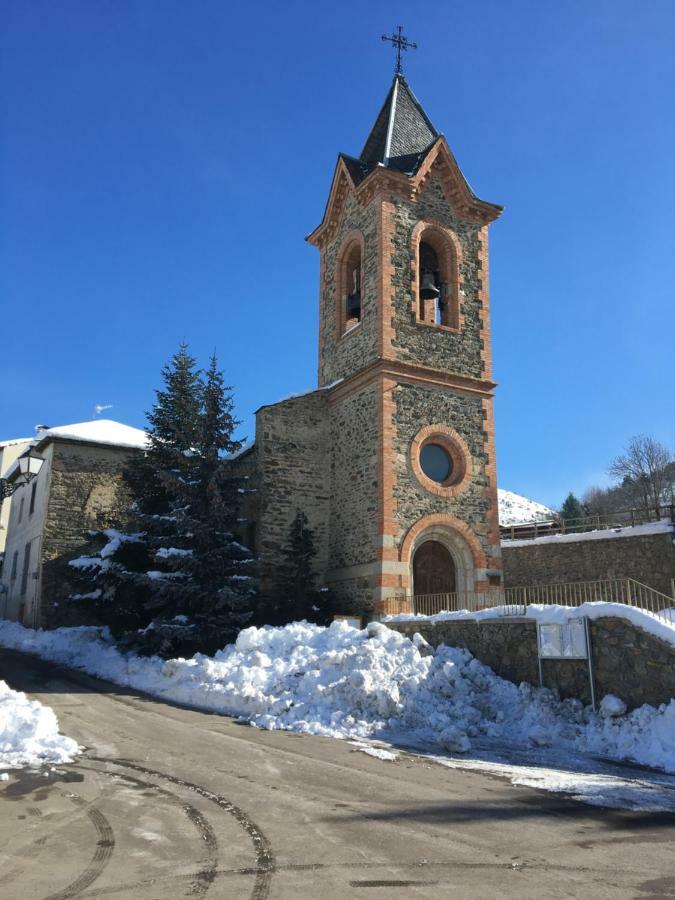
(515, 509)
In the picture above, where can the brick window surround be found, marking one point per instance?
(350, 256)
(448, 250)
(456, 448)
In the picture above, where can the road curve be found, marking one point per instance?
(168, 802)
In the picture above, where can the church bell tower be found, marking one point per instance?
(405, 365)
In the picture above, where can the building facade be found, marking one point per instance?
(9, 452)
(392, 458)
(80, 488)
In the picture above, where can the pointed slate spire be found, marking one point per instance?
(402, 132)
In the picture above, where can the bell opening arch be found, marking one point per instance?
(436, 255)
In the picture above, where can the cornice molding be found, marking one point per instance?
(399, 371)
(439, 161)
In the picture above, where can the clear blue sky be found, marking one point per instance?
(161, 163)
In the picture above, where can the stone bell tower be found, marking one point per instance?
(405, 367)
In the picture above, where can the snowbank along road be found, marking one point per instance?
(167, 802)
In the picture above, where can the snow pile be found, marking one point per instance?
(29, 732)
(346, 683)
(514, 509)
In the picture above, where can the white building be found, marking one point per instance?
(9, 452)
(80, 488)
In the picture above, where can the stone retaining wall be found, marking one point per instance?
(649, 558)
(627, 661)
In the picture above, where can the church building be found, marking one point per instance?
(392, 457)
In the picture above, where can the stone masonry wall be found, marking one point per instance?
(421, 344)
(343, 355)
(627, 661)
(354, 449)
(292, 462)
(646, 558)
(87, 492)
(416, 407)
(509, 648)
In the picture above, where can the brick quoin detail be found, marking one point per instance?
(387, 470)
(484, 300)
(491, 488)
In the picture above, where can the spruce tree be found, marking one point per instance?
(182, 582)
(219, 585)
(571, 510)
(172, 433)
(296, 596)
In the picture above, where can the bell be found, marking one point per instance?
(354, 305)
(428, 288)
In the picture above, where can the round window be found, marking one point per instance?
(436, 462)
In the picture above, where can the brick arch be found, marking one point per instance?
(442, 520)
(353, 239)
(448, 249)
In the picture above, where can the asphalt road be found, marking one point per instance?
(168, 802)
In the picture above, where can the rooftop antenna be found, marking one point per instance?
(401, 42)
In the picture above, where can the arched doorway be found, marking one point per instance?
(433, 569)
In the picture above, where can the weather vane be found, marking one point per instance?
(401, 42)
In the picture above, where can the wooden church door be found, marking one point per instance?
(433, 569)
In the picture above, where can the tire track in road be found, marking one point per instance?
(264, 855)
(205, 877)
(105, 846)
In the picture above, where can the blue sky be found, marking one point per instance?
(161, 163)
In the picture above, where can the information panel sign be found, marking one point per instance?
(565, 641)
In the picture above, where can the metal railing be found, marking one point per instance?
(515, 600)
(619, 519)
(430, 604)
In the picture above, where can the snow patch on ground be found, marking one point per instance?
(589, 780)
(377, 752)
(29, 733)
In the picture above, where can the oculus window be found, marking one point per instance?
(436, 462)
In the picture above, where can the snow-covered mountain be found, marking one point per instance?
(514, 509)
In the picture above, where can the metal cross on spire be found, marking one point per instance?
(401, 42)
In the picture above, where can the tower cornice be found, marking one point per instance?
(411, 373)
(438, 162)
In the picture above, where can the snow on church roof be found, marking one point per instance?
(98, 431)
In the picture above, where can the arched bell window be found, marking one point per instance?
(437, 278)
(350, 283)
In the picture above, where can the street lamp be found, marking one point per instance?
(30, 462)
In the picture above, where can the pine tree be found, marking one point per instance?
(296, 596)
(571, 510)
(220, 573)
(174, 422)
(182, 582)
